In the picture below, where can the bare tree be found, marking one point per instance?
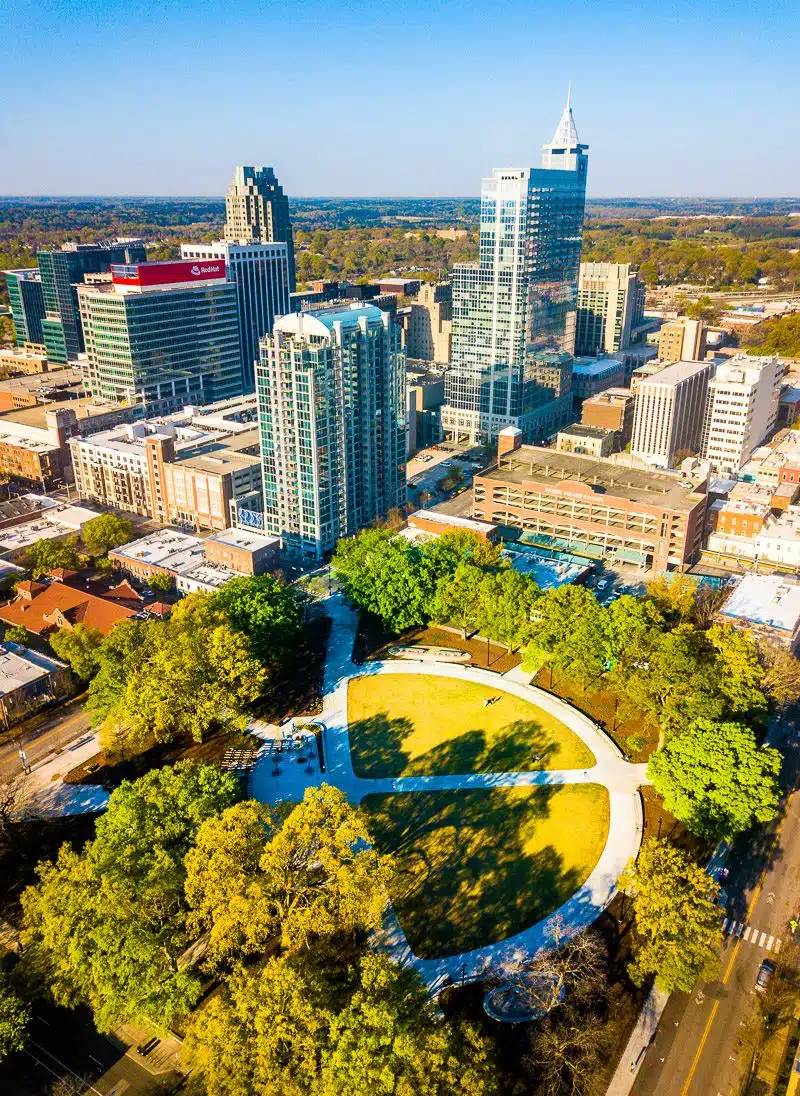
(707, 603)
(781, 673)
(571, 971)
(567, 1055)
(15, 799)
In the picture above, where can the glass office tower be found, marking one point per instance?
(61, 271)
(514, 310)
(27, 304)
(261, 273)
(331, 387)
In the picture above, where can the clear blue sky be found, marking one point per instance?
(415, 97)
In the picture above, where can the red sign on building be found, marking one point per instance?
(145, 274)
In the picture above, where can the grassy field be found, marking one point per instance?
(421, 725)
(474, 867)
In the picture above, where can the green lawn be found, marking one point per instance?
(422, 725)
(474, 867)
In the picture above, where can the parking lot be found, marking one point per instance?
(426, 469)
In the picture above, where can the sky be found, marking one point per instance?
(415, 97)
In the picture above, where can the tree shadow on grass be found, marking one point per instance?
(376, 746)
(464, 878)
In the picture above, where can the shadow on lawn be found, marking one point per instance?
(464, 878)
(376, 745)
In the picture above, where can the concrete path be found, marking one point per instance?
(641, 1037)
(609, 769)
(44, 793)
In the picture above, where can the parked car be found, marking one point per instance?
(602, 584)
(765, 973)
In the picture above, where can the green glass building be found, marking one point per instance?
(27, 304)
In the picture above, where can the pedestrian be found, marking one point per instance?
(793, 925)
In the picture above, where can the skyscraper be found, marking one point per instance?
(668, 416)
(162, 335)
(27, 304)
(261, 273)
(331, 400)
(610, 306)
(61, 270)
(514, 310)
(257, 211)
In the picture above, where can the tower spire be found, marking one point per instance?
(566, 135)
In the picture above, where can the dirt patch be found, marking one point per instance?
(373, 642)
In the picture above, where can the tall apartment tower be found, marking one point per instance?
(162, 335)
(257, 211)
(610, 307)
(430, 323)
(261, 273)
(331, 388)
(668, 416)
(26, 297)
(514, 310)
(61, 271)
(682, 340)
(741, 410)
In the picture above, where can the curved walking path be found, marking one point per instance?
(621, 779)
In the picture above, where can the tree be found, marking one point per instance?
(677, 928)
(459, 598)
(48, 555)
(187, 674)
(673, 596)
(265, 610)
(161, 581)
(253, 877)
(631, 625)
(107, 927)
(507, 602)
(116, 657)
(568, 1053)
(781, 680)
(568, 627)
(79, 647)
(738, 671)
(382, 573)
(105, 532)
(14, 1017)
(716, 779)
(17, 633)
(386, 1040)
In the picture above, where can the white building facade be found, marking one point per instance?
(668, 416)
(741, 410)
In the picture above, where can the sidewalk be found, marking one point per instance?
(641, 1036)
(44, 790)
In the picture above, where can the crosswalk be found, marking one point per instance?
(751, 935)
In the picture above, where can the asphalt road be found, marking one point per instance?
(59, 731)
(697, 1048)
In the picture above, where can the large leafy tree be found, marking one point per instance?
(252, 876)
(781, 680)
(677, 925)
(48, 555)
(265, 610)
(568, 627)
(673, 596)
(381, 573)
(105, 532)
(178, 677)
(459, 597)
(507, 603)
(79, 646)
(716, 779)
(293, 1027)
(124, 649)
(738, 670)
(107, 927)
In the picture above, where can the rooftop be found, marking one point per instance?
(167, 548)
(573, 473)
(452, 521)
(611, 396)
(61, 521)
(579, 429)
(40, 608)
(674, 374)
(244, 538)
(591, 367)
(766, 599)
(20, 666)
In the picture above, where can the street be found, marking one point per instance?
(59, 731)
(696, 1048)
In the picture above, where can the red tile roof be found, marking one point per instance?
(123, 591)
(42, 608)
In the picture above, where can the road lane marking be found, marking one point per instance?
(770, 942)
(726, 976)
(725, 925)
(778, 946)
(747, 932)
(762, 938)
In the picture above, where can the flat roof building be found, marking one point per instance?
(611, 409)
(767, 605)
(592, 507)
(741, 410)
(682, 340)
(26, 297)
(610, 307)
(162, 335)
(28, 681)
(668, 416)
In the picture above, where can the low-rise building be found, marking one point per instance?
(38, 456)
(593, 375)
(425, 398)
(588, 441)
(592, 507)
(57, 522)
(611, 410)
(28, 681)
(244, 550)
(28, 360)
(434, 523)
(768, 605)
(186, 468)
(46, 607)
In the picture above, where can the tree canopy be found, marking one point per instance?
(265, 610)
(14, 1018)
(48, 555)
(716, 779)
(105, 532)
(79, 647)
(107, 927)
(677, 924)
